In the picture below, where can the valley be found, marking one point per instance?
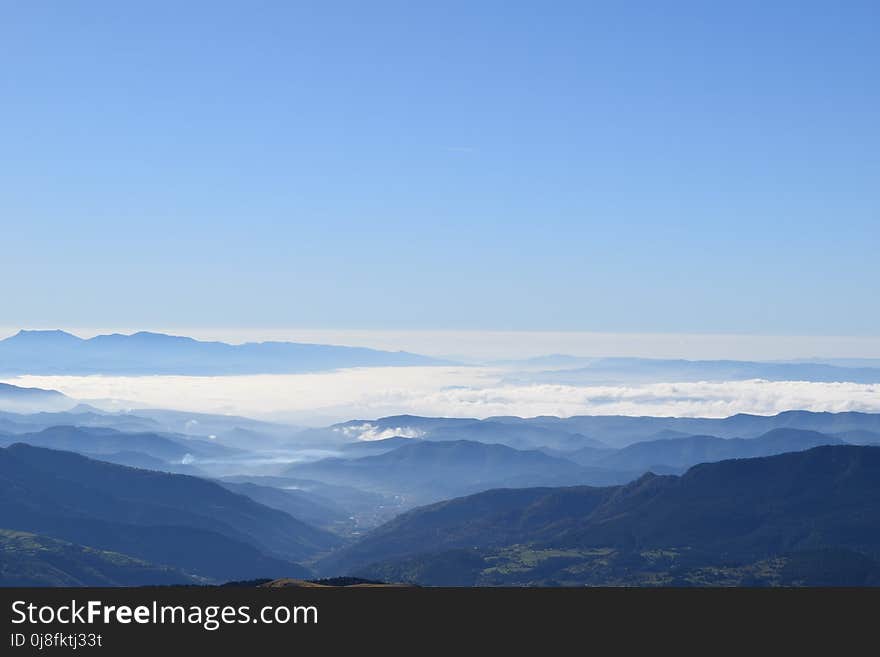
(164, 496)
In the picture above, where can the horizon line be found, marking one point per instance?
(502, 344)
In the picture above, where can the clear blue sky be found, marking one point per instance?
(637, 166)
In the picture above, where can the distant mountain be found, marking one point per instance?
(796, 518)
(548, 362)
(32, 560)
(519, 434)
(843, 362)
(574, 433)
(76, 417)
(16, 399)
(587, 456)
(229, 430)
(57, 352)
(145, 462)
(426, 470)
(621, 430)
(368, 447)
(183, 522)
(860, 437)
(308, 507)
(363, 508)
(647, 370)
(681, 453)
(99, 440)
(232, 430)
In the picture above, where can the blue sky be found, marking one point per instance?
(615, 167)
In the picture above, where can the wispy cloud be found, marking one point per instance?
(368, 431)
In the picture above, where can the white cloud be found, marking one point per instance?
(367, 431)
(368, 393)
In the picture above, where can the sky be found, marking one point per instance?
(598, 167)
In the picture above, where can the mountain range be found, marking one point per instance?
(804, 517)
(175, 521)
(52, 352)
(16, 399)
(569, 370)
(59, 352)
(681, 453)
(424, 470)
(439, 501)
(568, 434)
(313, 508)
(524, 434)
(419, 470)
(622, 430)
(227, 430)
(106, 441)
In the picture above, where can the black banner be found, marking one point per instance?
(120, 621)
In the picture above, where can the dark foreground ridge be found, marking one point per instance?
(798, 518)
(187, 524)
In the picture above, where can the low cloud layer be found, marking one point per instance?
(367, 393)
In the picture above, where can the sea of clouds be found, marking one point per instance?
(367, 393)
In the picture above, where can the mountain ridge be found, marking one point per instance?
(18, 399)
(28, 559)
(431, 470)
(58, 352)
(741, 510)
(185, 522)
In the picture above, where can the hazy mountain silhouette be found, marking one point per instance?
(16, 399)
(368, 447)
(57, 352)
(621, 430)
(221, 430)
(691, 450)
(145, 462)
(21, 423)
(581, 371)
(860, 437)
(308, 507)
(597, 431)
(425, 470)
(354, 501)
(519, 434)
(100, 440)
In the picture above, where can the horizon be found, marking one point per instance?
(487, 346)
